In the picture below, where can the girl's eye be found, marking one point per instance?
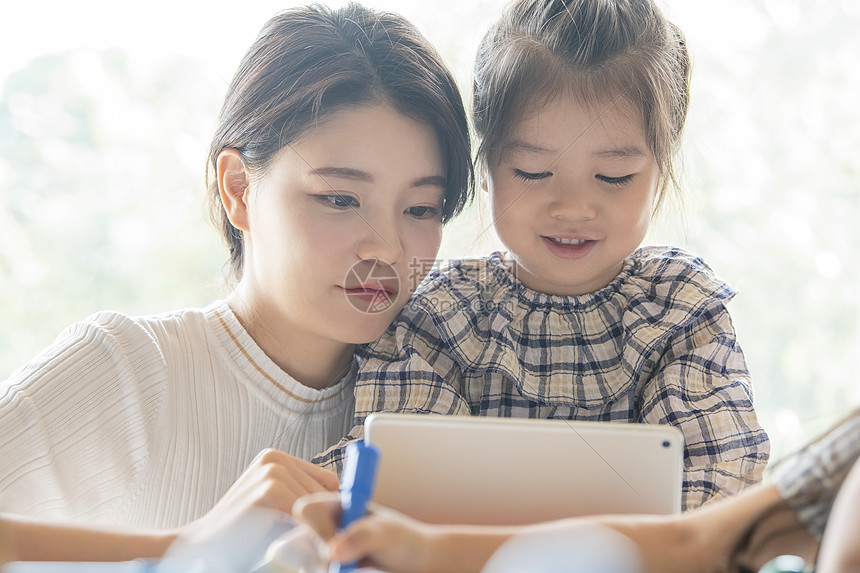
(423, 212)
(528, 176)
(338, 201)
(617, 181)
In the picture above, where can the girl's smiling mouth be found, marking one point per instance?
(568, 248)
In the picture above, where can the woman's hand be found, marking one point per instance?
(273, 481)
(236, 533)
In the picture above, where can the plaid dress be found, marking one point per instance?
(656, 345)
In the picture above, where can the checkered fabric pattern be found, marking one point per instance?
(810, 480)
(656, 345)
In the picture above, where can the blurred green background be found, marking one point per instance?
(106, 112)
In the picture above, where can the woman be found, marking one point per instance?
(341, 149)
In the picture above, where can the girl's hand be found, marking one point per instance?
(384, 539)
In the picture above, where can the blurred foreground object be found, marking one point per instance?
(578, 547)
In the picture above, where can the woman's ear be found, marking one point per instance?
(233, 187)
(484, 178)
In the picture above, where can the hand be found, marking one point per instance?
(384, 538)
(5, 542)
(273, 481)
(253, 512)
(840, 548)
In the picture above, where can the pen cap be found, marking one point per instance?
(359, 470)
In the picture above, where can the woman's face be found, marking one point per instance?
(343, 224)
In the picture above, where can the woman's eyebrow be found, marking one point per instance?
(365, 177)
(343, 173)
(431, 181)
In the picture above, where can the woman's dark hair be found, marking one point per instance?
(595, 50)
(311, 61)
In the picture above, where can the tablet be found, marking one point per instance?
(505, 471)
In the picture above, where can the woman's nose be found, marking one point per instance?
(380, 242)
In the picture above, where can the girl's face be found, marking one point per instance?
(340, 224)
(572, 194)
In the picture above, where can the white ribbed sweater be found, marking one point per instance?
(147, 421)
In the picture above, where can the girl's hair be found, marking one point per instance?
(597, 51)
(311, 61)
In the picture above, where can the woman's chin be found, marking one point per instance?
(364, 328)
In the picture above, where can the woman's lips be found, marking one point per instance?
(371, 292)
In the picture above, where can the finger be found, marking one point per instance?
(362, 538)
(299, 476)
(269, 485)
(320, 511)
(327, 479)
(280, 488)
(296, 482)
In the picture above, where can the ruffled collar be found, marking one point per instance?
(579, 350)
(505, 277)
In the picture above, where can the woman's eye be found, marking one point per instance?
(529, 176)
(338, 201)
(423, 212)
(617, 181)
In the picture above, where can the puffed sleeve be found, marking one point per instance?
(702, 385)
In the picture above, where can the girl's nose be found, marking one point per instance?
(573, 204)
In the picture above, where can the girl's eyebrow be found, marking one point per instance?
(622, 152)
(519, 146)
(365, 177)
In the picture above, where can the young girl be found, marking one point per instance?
(341, 148)
(580, 106)
(818, 487)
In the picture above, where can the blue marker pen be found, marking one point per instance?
(356, 489)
